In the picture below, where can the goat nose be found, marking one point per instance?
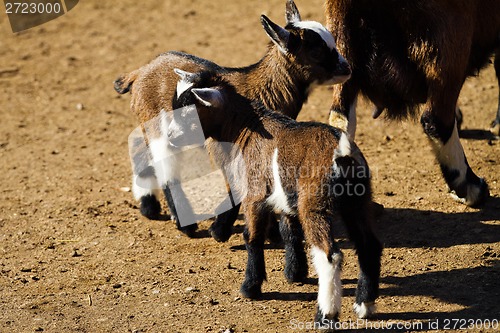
(344, 68)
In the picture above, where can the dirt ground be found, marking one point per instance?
(76, 256)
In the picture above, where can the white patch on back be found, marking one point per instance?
(182, 86)
(329, 282)
(278, 199)
(319, 29)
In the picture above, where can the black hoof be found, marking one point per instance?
(189, 230)
(473, 194)
(483, 193)
(251, 290)
(220, 233)
(327, 323)
(150, 207)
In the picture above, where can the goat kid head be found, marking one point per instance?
(197, 107)
(309, 47)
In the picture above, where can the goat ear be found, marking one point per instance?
(278, 35)
(185, 76)
(292, 12)
(208, 96)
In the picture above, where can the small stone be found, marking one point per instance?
(117, 285)
(79, 106)
(191, 289)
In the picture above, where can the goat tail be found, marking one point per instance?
(124, 82)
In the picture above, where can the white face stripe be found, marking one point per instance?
(182, 86)
(278, 199)
(319, 29)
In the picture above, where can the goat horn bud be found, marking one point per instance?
(186, 76)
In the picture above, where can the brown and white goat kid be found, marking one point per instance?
(306, 170)
(412, 52)
(301, 56)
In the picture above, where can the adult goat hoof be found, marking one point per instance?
(476, 195)
(220, 233)
(251, 290)
(189, 230)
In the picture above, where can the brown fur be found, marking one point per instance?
(407, 53)
(278, 80)
(305, 155)
(404, 53)
(281, 80)
(310, 160)
(296, 61)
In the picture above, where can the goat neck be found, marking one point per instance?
(276, 82)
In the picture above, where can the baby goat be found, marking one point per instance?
(301, 56)
(306, 170)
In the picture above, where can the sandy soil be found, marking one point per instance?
(76, 256)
